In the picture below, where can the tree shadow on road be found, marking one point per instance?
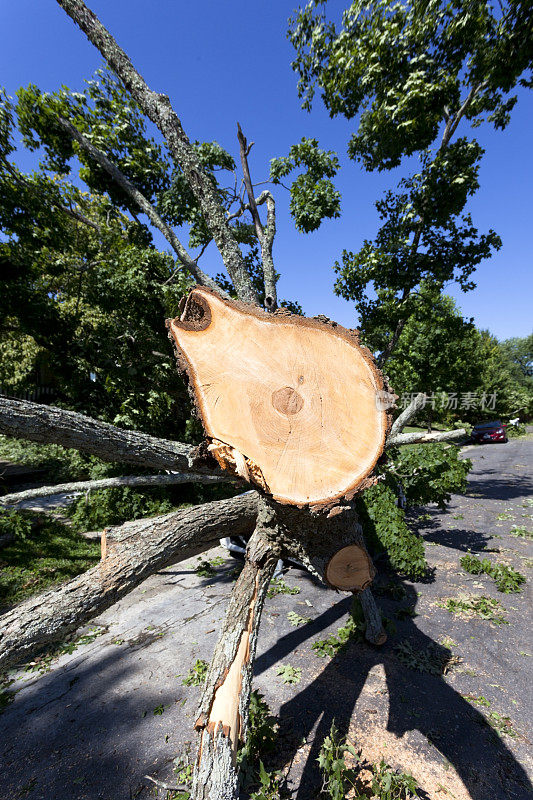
(417, 702)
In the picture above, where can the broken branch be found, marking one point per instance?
(49, 425)
(418, 402)
(266, 239)
(130, 554)
(223, 711)
(422, 438)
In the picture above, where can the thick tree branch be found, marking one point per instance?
(269, 272)
(418, 402)
(49, 425)
(158, 108)
(130, 553)
(423, 438)
(141, 201)
(172, 479)
(265, 238)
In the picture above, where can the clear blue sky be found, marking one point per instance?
(223, 62)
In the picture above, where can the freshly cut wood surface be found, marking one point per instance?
(293, 404)
(350, 569)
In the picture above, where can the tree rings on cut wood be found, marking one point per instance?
(350, 569)
(293, 404)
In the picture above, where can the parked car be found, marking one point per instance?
(484, 432)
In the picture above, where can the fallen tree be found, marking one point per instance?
(294, 406)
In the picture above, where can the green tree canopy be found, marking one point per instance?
(408, 73)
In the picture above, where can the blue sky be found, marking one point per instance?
(226, 62)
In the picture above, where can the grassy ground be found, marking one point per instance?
(49, 554)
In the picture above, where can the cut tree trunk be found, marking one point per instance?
(330, 544)
(130, 553)
(293, 404)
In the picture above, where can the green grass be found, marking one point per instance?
(49, 554)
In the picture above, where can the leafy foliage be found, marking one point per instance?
(340, 781)
(389, 784)
(521, 532)
(289, 674)
(296, 619)
(507, 579)
(43, 662)
(337, 778)
(430, 473)
(408, 73)
(352, 631)
(433, 659)
(386, 531)
(278, 586)
(197, 673)
(313, 195)
(105, 507)
(14, 524)
(479, 606)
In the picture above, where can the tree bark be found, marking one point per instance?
(130, 553)
(223, 711)
(330, 545)
(425, 438)
(172, 479)
(407, 415)
(49, 425)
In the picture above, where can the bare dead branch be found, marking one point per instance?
(424, 438)
(159, 109)
(49, 425)
(130, 553)
(141, 201)
(171, 479)
(266, 239)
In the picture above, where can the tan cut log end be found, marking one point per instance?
(297, 403)
(103, 545)
(350, 569)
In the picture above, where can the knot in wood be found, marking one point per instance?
(287, 401)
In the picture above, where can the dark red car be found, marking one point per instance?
(484, 432)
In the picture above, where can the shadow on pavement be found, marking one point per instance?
(417, 701)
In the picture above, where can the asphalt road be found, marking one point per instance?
(116, 709)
